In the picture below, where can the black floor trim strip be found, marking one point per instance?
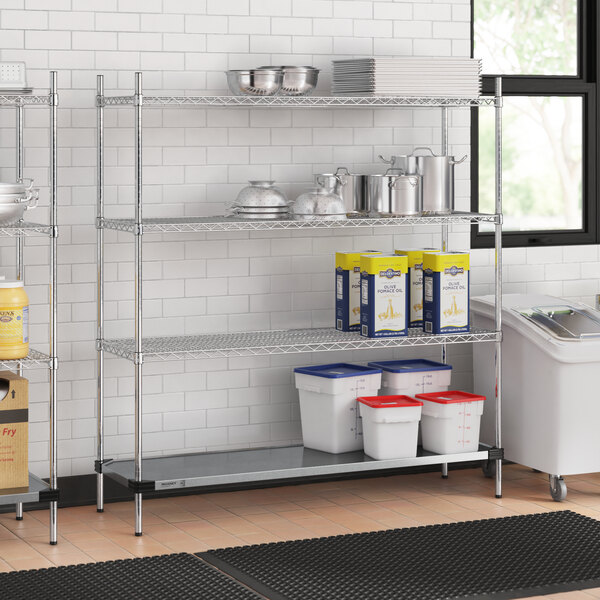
(492, 559)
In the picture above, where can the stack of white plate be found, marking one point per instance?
(410, 76)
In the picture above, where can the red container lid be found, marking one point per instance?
(450, 397)
(389, 401)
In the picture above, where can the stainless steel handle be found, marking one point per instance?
(424, 148)
(24, 179)
(385, 160)
(400, 171)
(337, 172)
(411, 180)
(457, 162)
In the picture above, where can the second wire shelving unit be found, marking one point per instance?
(39, 490)
(267, 464)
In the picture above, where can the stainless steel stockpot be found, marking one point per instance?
(438, 177)
(396, 195)
(438, 181)
(351, 188)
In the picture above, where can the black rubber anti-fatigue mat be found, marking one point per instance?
(511, 557)
(168, 577)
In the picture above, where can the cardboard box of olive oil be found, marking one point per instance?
(347, 290)
(446, 295)
(383, 295)
(415, 283)
(14, 431)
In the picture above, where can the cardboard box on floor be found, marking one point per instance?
(14, 431)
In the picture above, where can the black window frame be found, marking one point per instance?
(584, 85)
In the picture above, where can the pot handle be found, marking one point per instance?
(387, 161)
(29, 185)
(411, 179)
(400, 171)
(32, 199)
(457, 162)
(342, 171)
(423, 148)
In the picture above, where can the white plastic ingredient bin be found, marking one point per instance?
(410, 377)
(451, 421)
(328, 407)
(551, 363)
(390, 425)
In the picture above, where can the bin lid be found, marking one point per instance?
(410, 366)
(450, 397)
(337, 370)
(563, 321)
(389, 401)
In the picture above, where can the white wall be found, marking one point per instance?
(195, 161)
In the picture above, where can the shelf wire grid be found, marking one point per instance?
(225, 223)
(293, 341)
(34, 360)
(24, 228)
(300, 101)
(23, 100)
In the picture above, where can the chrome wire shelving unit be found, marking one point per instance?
(227, 223)
(243, 466)
(39, 490)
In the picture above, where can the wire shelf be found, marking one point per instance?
(34, 360)
(23, 100)
(299, 101)
(223, 223)
(292, 341)
(24, 228)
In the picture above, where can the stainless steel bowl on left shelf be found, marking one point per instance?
(13, 206)
(254, 82)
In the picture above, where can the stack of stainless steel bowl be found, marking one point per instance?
(261, 200)
(273, 80)
(15, 199)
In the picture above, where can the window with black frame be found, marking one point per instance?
(546, 53)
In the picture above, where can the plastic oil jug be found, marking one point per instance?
(14, 320)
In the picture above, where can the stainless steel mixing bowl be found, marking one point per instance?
(255, 82)
(297, 81)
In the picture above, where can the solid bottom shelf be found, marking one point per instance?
(34, 493)
(265, 464)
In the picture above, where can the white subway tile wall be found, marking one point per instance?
(195, 162)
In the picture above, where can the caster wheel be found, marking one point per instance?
(558, 488)
(489, 468)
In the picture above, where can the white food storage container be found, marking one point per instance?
(328, 408)
(550, 369)
(390, 425)
(410, 377)
(450, 422)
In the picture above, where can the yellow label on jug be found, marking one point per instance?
(14, 325)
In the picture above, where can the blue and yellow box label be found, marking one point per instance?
(347, 289)
(384, 295)
(415, 283)
(446, 294)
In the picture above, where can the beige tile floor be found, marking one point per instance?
(200, 522)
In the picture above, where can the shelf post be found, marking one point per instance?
(445, 235)
(138, 99)
(100, 289)
(498, 273)
(53, 301)
(20, 241)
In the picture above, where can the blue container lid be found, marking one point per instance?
(410, 366)
(337, 370)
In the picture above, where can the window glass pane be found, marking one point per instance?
(526, 37)
(542, 168)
